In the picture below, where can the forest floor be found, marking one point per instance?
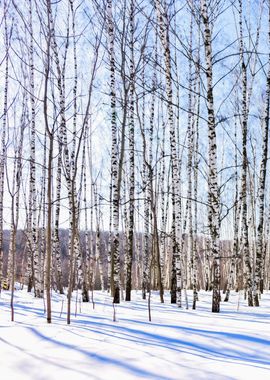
(176, 344)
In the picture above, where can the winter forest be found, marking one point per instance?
(135, 188)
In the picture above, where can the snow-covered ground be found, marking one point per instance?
(177, 344)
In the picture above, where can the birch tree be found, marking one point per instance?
(114, 159)
(213, 192)
(258, 284)
(3, 136)
(244, 124)
(32, 160)
(14, 191)
(131, 157)
(162, 18)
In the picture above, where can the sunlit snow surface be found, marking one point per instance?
(177, 344)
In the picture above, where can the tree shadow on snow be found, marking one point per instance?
(102, 359)
(258, 357)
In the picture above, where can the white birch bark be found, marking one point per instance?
(15, 203)
(129, 257)
(258, 283)
(162, 18)
(32, 181)
(195, 253)
(3, 141)
(114, 158)
(237, 214)
(213, 193)
(56, 240)
(244, 123)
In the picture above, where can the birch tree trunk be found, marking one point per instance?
(213, 193)
(146, 178)
(162, 18)
(236, 222)
(244, 122)
(195, 255)
(131, 158)
(56, 240)
(32, 181)
(3, 141)
(15, 197)
(50, 134)
(114, 159)
(258, 283)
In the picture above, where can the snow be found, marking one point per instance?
(177, 344)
